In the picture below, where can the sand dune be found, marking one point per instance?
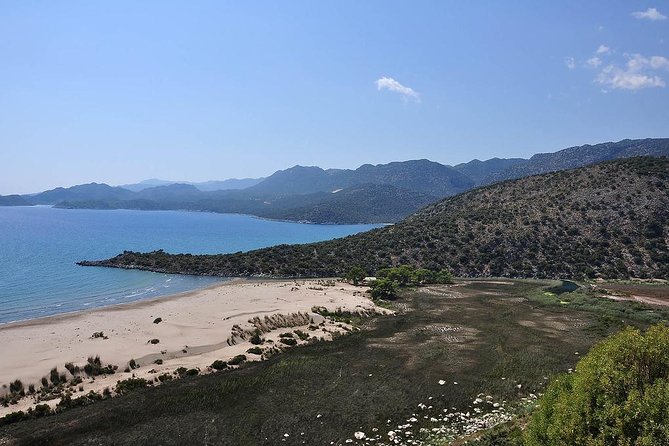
(196, 329)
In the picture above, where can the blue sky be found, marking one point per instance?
(121, 91)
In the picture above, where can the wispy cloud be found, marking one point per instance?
(649, 14)
(603, 49)
(636, 74)
(390, 84)
(570, 62)
(594, 62)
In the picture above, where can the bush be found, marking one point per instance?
(618, 394)
(302, 335)
(219, 365)
(237, 360)
(255, 350)
(54, 376)
(16, 386)
(130, 384)
(288, 341)
(355, 275)
(158, 320)
(158, 361)
(384, 289)
(154, 341)
(256, 339)
(192, 372)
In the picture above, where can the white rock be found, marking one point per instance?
(359, 435)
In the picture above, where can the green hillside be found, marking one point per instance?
(607, 220)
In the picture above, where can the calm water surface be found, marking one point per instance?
(39, 247)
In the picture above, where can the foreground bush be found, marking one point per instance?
(618, 395)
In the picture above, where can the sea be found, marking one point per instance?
(40, 245)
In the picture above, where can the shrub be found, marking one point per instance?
(54, 376)
(237, 360)
(158, 361)
(618, 394)
(219, 365)
(133, 364)
(130, 384)
(154, 341)
(289, 341)
(94, 367)
(355, 275)
(302, 335)
(41, 410)
(16, 386)
(256, 339)
(192, 372)
(73, 369)
(164, 377)
(384, 289)
(158, 320)
(255, 350)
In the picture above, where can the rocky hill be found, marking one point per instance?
(607, 220)
(578, 156)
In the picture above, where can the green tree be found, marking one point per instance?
(443, 276)
(383, 289)
(618, 395)
(356, 275)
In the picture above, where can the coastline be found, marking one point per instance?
(197, 328)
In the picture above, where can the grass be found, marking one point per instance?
(488, 337)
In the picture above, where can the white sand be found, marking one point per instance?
(199, 322)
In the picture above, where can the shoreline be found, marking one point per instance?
(138, 302)
(154, 337)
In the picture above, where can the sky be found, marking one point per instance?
(122, 91)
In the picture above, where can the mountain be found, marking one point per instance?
(478, 170)
(92, 191)
(368, 203)
(422, 176)
(607, 220)
(578, 156)
(205, 186)
(14, 200)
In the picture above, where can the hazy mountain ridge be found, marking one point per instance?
(204, 186)
(14, 200)
(608, 220)
(302, 193)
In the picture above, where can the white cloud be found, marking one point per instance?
(603, 49)
(570, 62)
(658, 62)
(391, 84)
(635, 75)
(594, 62)
(649, 14)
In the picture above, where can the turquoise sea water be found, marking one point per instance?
(39, 247)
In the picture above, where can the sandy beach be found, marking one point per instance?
(195, 329)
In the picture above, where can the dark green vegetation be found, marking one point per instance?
(369, 194)
(608, 220)
(618, 395)
(390, 280)
(489, 337)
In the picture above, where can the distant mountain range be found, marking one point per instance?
(382, 193)
(205, 186)
(608, 220)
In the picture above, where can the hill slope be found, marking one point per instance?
(578, 156)
(609, 220)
